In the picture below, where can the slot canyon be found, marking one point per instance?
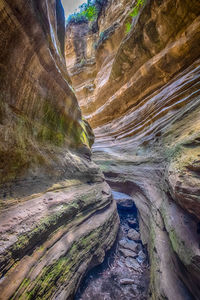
(100, 150)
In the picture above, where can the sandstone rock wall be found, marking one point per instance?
(141, 96)
(57, 216)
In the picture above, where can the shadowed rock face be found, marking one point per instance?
(57, 216)
(140, 92)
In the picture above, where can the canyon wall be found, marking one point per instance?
(140, 92)
(57, 216)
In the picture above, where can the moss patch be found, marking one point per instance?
(179, 247)
(56, 274)
(48, 225)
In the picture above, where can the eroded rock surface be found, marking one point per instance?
(140, 92)
(57, 215)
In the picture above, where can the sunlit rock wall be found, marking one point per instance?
(142, 98)
(57, 216)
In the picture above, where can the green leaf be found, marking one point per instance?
(128, 27)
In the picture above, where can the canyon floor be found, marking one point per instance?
(124, 273)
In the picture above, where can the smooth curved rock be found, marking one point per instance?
(57, 215)
(144, 107)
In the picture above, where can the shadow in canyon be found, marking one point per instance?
(124, 273)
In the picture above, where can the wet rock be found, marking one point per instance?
(132, 263)
(127, 253)
(133, 235)
(126, 281)
(128, 244)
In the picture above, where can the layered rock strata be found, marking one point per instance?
(57, 216)
(140, 92)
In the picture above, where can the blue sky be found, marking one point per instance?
(71, 5)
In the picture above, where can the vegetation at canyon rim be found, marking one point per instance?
(87, 12)
(139, 4)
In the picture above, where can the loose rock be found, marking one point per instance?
(128, 253)
(132, 263)
(133, 235)
(141, 257)
(127, 244)
(126, 281)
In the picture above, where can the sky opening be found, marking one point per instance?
(70, 6)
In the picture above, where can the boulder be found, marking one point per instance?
(128, 244)
(127, 253)
(133, 235)
(132, 263)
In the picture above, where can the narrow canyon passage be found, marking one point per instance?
(124, 273)
(100, 150)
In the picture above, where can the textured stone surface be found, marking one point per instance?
(141, 95)
(132, 263)
(127, 244)
(57, 216)
(133, 235)
(127, 253)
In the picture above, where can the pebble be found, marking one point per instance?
(126, 281)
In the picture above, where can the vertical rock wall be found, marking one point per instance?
(57, 216)
(142, 98)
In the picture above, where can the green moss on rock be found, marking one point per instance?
(56, 274)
